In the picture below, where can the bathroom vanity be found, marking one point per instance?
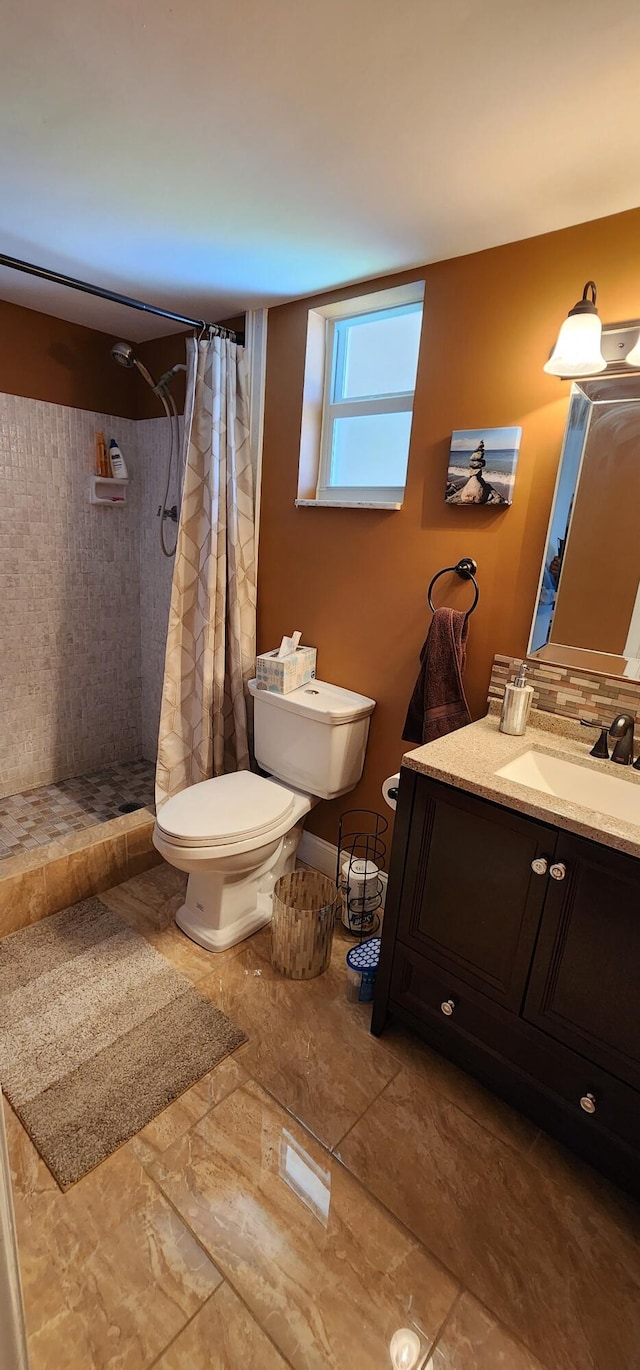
(511, 938)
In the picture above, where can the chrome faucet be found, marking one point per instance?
(622, 731)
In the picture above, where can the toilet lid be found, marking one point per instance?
(228, 808)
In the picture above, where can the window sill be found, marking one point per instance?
(346, 504)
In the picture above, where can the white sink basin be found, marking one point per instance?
(613, 794)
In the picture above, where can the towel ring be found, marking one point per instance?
(466, 569)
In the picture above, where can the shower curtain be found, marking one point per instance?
(210, 651)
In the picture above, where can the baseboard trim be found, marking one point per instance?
(323, 856)
(316, 852)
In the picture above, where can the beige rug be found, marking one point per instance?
(98, 1033)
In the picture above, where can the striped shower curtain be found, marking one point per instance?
(210, 651)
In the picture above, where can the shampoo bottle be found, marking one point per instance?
(516, 704)
(103, 468)
(118, 468)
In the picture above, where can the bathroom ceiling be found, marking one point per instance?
(209, 156)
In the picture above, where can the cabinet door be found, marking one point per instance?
(471, 900)
(585, 980)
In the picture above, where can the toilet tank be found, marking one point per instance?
(314, 738)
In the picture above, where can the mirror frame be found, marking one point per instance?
(563, 655)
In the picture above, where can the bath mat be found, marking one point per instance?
(98, 1033)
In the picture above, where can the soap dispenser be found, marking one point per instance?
(516, 703)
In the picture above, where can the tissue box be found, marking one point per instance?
(281, 675)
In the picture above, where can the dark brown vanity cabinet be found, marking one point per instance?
(472, 901)
(514, 948)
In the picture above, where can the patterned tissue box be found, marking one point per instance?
(281, 675)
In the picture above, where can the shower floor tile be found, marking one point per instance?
(35, 817)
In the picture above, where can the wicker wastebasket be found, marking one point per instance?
(304, 909)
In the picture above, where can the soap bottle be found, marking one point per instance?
(516, 703)
(116, 459)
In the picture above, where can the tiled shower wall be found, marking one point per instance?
(81, 667)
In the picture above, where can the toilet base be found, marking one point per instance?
(221, 909)
(191, 922)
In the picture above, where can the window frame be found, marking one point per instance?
(335, 406)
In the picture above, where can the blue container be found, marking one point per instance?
(362, 967)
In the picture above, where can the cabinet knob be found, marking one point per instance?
(588, 1103)
(540, 865)
(558, 870)
(447, 1007)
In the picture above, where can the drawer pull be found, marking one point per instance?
(588, 1103)
(447, 1007)
(540, 865)
(558, 871)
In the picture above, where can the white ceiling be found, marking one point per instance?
(208, 156)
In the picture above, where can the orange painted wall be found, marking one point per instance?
(44, 358)
(355, 581)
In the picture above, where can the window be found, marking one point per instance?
(368, 349)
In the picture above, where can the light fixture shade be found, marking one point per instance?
(577, 350)
(633, 357)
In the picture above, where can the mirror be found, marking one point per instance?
(587, 613)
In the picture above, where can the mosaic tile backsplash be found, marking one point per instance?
(81, 664)
(564, 690)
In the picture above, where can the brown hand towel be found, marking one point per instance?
(438, 704)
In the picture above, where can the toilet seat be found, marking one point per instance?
(228, 809)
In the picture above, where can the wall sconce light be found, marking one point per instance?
(578, 347)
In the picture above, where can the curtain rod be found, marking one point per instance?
(30, 269)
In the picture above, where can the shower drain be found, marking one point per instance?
(129, 808)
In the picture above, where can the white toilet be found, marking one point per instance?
(236, 834)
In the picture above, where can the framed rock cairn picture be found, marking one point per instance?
(482, 465)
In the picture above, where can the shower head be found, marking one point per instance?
(124, 355)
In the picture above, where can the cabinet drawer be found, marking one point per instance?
(428, 993)
(616, 1106)
(434, 995)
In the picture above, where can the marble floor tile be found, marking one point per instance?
(78, 874)
(110, 1272)
(472, 1340)
(141, 853)
(222, 1336)
(461, 1089)
(188, 1109)
(23, 900)
(149, 901)
(224, 1235)
(587, 1190)
(327, 1273)
(307, 1045)
(555, 1271)
(194, 961)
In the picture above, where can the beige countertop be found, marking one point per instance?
(469, 758)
